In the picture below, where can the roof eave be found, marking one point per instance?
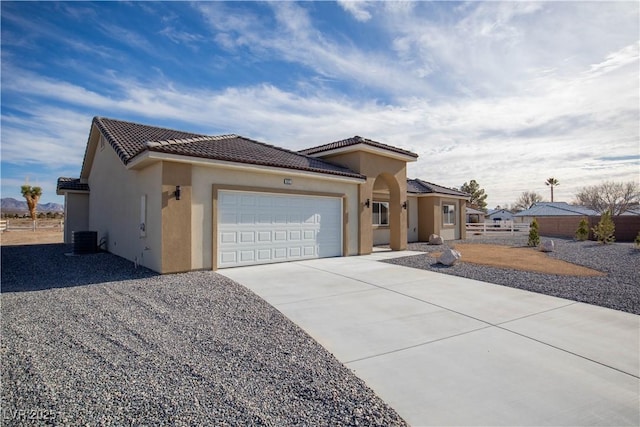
(366, 148)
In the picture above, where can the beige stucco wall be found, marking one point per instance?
(430, 218)
(204, 178)
(176, 217)
(76, 214)
(114, 208)
(412, 219)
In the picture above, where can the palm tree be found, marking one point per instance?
(552, 182)
(32, 195)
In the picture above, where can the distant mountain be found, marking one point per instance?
(9, 204)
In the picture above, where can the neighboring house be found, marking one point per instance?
(475, 216)
(177, 201)
(498, 215)
(560, 219)
(554, 209)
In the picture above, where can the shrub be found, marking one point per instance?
(637, 241)
(605, 229)
(534, 235)
(582, 233)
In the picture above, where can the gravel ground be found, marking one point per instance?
(619, 289)
(92, 341)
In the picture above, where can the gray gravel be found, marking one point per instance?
(619, 289)
(92, 341)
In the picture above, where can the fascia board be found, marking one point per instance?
(368, 149)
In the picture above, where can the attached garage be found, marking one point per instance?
(260, 228)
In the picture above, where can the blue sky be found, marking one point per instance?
(506, 93)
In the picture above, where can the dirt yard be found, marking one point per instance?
(27, 237)
(526, 259)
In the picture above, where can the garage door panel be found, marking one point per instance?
(264, 237)
(256, 228)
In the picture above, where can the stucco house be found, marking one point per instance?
(177, 201)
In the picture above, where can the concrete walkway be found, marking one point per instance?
(444, 350)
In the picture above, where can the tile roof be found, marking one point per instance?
(354, 141)
(71, 184)
(130, 139)
(234, 148)
(418, 186)
(557, 209)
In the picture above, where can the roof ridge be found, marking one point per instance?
(189, 140)
(355, 140)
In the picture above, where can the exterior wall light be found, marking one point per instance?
(177, 192)
(367, 203)
(404, 205)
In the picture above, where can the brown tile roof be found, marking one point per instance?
(130, 139)
(354, 141)
(418, 186)
(72, 184)
(234, 148)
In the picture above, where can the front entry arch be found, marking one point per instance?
(386, 225)
(391, 178)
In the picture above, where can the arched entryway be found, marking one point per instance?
(385, 170)
(387, 214)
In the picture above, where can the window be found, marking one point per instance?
(380, 213)
(448, 214)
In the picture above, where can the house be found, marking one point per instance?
(177, 201)
(560, 219)
(554, 209)
(498, 215)
(475, 216)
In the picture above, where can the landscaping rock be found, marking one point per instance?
(434, 239)
(449, 257)
(547, 246)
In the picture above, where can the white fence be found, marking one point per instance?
(16, 225)
(497, 227)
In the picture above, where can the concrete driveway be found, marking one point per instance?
(444, 350)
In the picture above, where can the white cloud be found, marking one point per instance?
(358, 9)
(504, 93)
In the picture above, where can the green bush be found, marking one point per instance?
(582, 233)
(534, 235)
(605, 229)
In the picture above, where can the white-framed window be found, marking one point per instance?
(449, 214)
(380, 213)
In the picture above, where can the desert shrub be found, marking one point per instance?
(534, 235)
(637, 241)
(582, 233)
(605, 229)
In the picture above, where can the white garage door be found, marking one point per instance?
(261, 228)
